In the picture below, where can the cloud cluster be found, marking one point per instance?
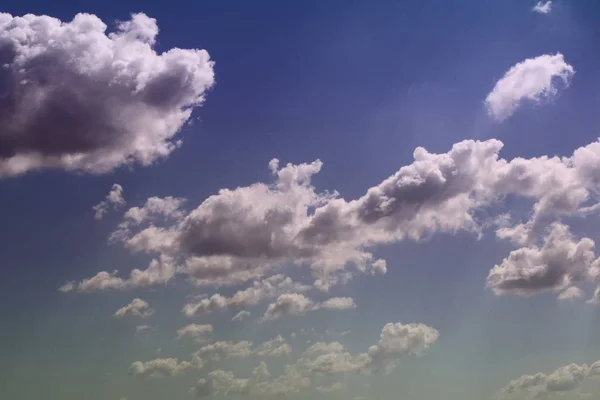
(242, 234)
(532, 80)
(137, 308)
(563, 379)
(270, 287)
(298, 304)
(159, 368)
(113, 199)
(78, 98)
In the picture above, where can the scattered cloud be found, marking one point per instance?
(336, 387)
(80, 99)
(142, 328)
(274, 347)
(159, 368)
(564, 379)
(570, 293)
(298, 304)
(543, 7)
(270, 287)
(531, 80)
(113, 199)
(199, 333)
(137, 308)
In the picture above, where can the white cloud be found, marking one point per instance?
(554, 266)
(274, 347)
(142, 328)
(80, 99)
(267, 288)
(570, 293)
(241, 315)
(543, 7)
(113, 199)
(564, 379)
(298, 304)
(137, 308)
(159, 368)
(531, 80)
(195, 331)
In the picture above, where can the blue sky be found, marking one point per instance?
(469, 273)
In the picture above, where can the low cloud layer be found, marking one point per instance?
(562, 380)
(79, 98)
(533, 80)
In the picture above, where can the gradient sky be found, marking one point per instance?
(469, 274)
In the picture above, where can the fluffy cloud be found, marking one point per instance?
(195, 331)
(298, 304)
(274, 347)
(543, 8)
(80, 99)
(563, 379)
(260, 383)
(265, 289)
(137, 308)
(396, 341)
(532, 80)
(240, 235)
(555, 265)
(570, 293)
(159, 368)
(113, 199)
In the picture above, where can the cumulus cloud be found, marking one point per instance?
(159, 368)
(267, 288)
(532, 80)
(245, 234)
(241, 315)
(81, 99)
(298, 304)
(554, 266)
(197, 332)
(274, 347)
(396, 341)
(570, 293)
(113, 199)
(564, 379)
(137, 308)
(260, 383)
(543, 7)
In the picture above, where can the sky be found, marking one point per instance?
(304, 200)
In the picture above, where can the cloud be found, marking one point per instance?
(336, 387)
(543, 8)
(222, 349)
(260, 383)
(531, 80)
(396, 341)
(248, 233)
(267, 288)
(195, 331)
(554, 266)
(79, 99)
(298, 304)
(274, 347)
(137, 308)
(114, 199)
(142, 328)
(570, 293)
(241, 315)
(159, 368)
(563, 379)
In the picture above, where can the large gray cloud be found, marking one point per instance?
(75, 97)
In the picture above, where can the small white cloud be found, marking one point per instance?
(137, 308)
(67, 287)
(159, 368)
(543, 8)
(531, 80)
(241, 315)
(195, 331)
(113, 199)
(298, 304)
(571, 293)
